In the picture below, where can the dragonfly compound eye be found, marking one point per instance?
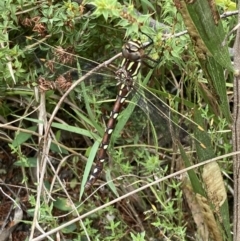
(132, 51)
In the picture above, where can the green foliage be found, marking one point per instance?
(138, 237)
(227, 5)
(40, 42)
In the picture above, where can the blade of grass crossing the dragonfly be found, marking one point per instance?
(84, 119)
(65, 127)
(126, 114)
(79, 117)
(75, 129)
(88, 167)
(110, 182)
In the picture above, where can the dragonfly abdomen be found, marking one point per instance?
(102, 152)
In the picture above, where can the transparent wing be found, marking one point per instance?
(59, 68)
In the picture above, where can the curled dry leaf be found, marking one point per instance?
(197, 212)
(203, 216)
(209, 219)
(215, 188)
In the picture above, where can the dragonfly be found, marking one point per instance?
(133, 57)
(125, 77)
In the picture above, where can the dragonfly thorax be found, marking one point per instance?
(124, 77)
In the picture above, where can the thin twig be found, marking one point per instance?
(236, 135)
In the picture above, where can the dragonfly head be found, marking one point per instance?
(133, 50)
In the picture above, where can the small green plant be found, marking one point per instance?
(138, 237)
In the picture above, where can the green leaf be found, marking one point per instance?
(196, 184)
(58, 149)
(74, 129)
(207, 34)
(88, 167)
(148, 4)
(70, 228)
(22, 137)
(62, 204)
(110, 183)
(30, 162)
(105, 14)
